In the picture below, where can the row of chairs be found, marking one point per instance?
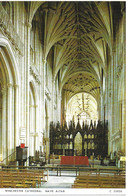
(22, 178)
(99, 181)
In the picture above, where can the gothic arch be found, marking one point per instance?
(33, 106)
(9, 61)
(33, 9)
(9, 82)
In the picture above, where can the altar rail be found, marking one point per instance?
(58, 170)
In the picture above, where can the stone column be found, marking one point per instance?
(98, 107)
(30, 118)
(9, 121)
(64, 102)
(53, 100)
(47, 138)
(124, 126)
(113, 93)
(36, 144)
(16, 116)
(4, 118)
(124, 84)
(101, 117)
(59, 107)
(117, 105)
(43, 95)
(0, 123)
(111, 105)
(27, 65)
(31, 127)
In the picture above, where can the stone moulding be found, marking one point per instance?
(35, 74)
(47, 93)
(8, 29)
(116, 135)
(120, 63)
(118, 71)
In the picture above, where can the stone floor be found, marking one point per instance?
(64, 181)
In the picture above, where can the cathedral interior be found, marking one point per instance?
(62, 79)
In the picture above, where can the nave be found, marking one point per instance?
(62, 63)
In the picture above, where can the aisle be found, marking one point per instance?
(59, 181)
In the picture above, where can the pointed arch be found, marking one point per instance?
(9, 61)
(33, 110)
(9, 81)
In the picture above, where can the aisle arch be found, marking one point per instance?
(9, 82)
(7, 55)
(33, 106)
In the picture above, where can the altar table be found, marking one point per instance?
(74, 160)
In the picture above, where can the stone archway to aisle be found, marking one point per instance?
(9, 102)
(33, 132)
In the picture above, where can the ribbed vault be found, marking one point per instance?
(77, 36)
(82, 106)
(82, 82)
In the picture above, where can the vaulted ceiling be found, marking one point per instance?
(77, 36)
(82, 104)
